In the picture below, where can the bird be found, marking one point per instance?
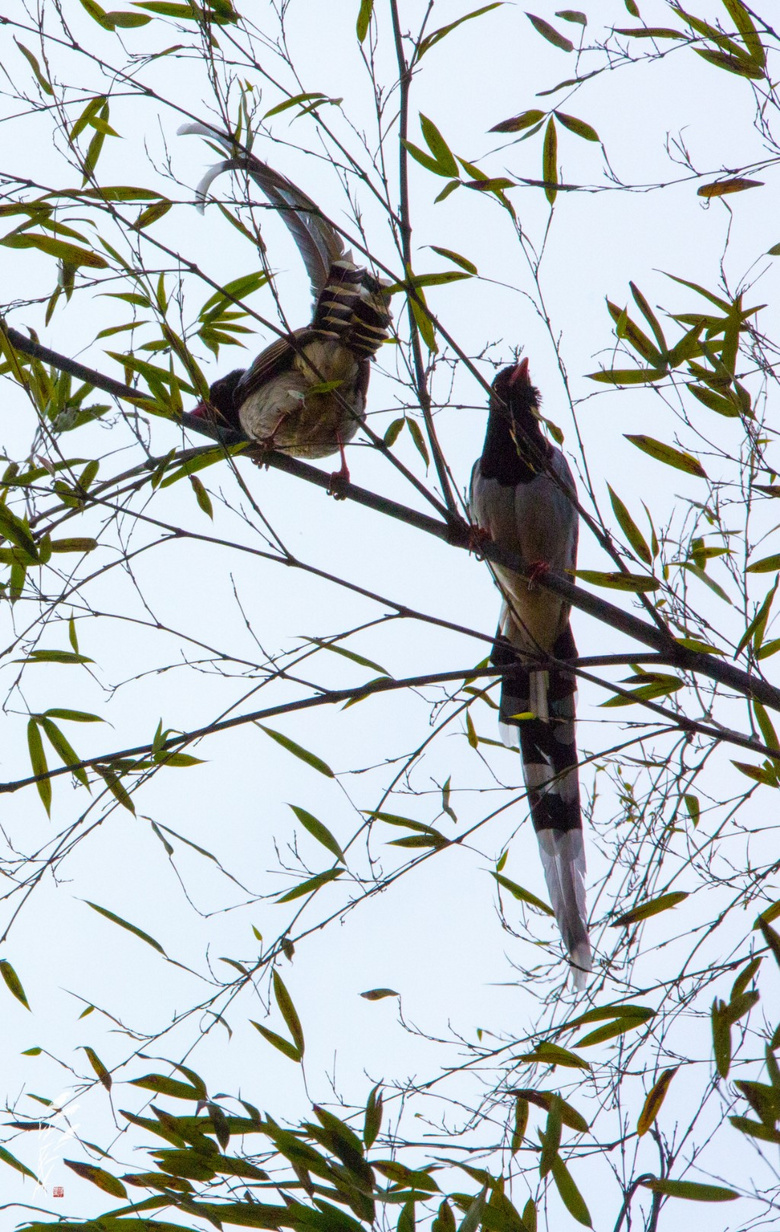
(522, 498)
(305, 394)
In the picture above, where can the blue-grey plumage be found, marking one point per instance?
(521, 496)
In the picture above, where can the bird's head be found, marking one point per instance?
(220, 408)
(513, 389)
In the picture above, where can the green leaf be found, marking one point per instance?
(436, 36)
(630, 528)
(755, 1129)
(13, 1162)
(131, 928)
(768, 564)
(55, 656)
(349, 654)
(284, 1046)
(422, 158)
(578, 127)
(70, 254)
(724, 187)
(636, 582)
(570, 1194)
(652, 906)
(36, 68)
(618, 1027)
(550, 33)
(765, 774)
(115, 785)
(373, 1119)
(310, 885)
(516, 124)
(729, 407)
(64, 749)
(319, 831)
(98, 1176)
(364, 19)
(38, 763)
(438, 147)
(670, 456)
(572, 15)
(551, 1054)
(691, 1190)
(750, 37)
(163, 1085)
(13, 983)
(655, 32)
(419, 440)
(550, 160)
(693, 807)
(379, 994)
(628, 376)
(73, 545)
(523, 896)
(298, 751)
(288, 1011)
(543, 1099)
(655, 1098)
(98, 1067)
(463, 262)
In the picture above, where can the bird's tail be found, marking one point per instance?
(353, 305)
(537, 712)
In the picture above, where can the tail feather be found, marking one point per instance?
(537, 712)
(318, 241)
(563, 860)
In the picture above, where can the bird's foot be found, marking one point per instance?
(477, 540)
(536, 571)
(340, 478)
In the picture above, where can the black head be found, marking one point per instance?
(512, 389)
(221, 406)
(514, 450)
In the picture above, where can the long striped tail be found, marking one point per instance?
(353, 306)
(548, 747)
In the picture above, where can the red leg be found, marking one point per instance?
(535, 571)
(340, 477)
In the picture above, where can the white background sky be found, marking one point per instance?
(435, 935)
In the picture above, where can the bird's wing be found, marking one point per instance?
(317, 239)
(275, 359)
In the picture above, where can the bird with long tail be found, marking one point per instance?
(522, 494)
(305, 394)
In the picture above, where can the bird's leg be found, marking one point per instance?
(536, 571)
(477, 540)
(266, 445)
(339, 478)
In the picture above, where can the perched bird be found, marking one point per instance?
(305, 394)
(521, 490)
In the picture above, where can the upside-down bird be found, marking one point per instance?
(305, 394)
(521, 497)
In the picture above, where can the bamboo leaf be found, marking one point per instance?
(278, 1041)
(298, 751)
(98, 1176)
(653, 906)
(655, 1098)
(550, 33)
(552, 1054)
(13, 1162)
(445, 159)
(98, 1067)
(667, 454)
(38, 762)
(550, 160)
(636, 582)
(516, 124)
(578, 127)
(379, 994)
(288, 1011)
(570, 1194)
(690, 1190)
(723, 188)
(630, 528)
(13, 983)
(523, 896)
(364, 19)
(319, 831)
(310, 885)
(131, 928)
